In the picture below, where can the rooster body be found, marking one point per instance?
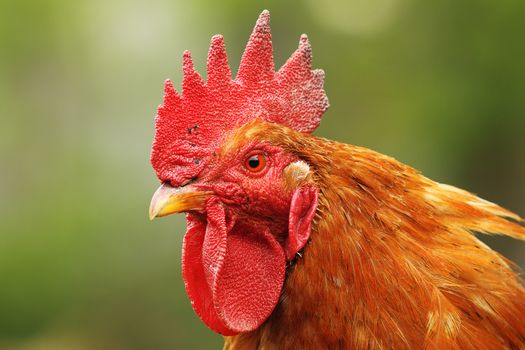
(392, 262)
(298, 242)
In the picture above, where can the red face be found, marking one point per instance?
(248, 210)
(249, 183)
(246, 224)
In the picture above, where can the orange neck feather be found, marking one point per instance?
(392, 262)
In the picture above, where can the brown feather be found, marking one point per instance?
(393, 262)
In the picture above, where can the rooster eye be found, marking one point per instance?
(255, 162)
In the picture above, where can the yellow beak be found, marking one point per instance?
(170, 200)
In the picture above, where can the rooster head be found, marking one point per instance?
(249, 201)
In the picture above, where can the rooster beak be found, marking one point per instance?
(170, 200)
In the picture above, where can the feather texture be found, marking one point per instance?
(393, 262)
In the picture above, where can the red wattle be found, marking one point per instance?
(193, 274)
(248, 286)
(233, 277)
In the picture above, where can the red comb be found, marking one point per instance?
(190, 128)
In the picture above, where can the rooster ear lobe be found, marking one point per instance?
(302, 212)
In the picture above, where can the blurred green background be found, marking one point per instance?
(438, 84)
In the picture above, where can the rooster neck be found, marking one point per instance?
(392, 263)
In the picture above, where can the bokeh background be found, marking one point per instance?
(438, 84)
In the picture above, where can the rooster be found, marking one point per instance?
(298, 242)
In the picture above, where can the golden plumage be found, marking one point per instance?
(393, 262)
